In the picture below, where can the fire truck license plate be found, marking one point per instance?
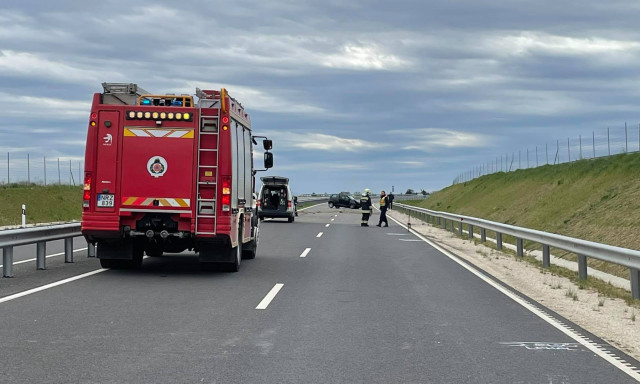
(105, 200)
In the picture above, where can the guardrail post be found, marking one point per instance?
(443, 221)
(7, 261)
(453, 229)
(520, 247)
(635, 283)
(460, 229)
(470, 231)
(68, 250)
(499, 241)
(546, 256)
(91, 250)
(582, 267)
(483, 235)
(41, 250)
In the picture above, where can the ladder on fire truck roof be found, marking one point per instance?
(121, 93)
(208, 127)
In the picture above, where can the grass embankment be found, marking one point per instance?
(44, 204)
(596, 200)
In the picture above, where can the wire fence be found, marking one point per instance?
(609, 142)
(25, 169)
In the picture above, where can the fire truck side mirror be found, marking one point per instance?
(268, 159)
(267, 144)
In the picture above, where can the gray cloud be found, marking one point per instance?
(365, 93)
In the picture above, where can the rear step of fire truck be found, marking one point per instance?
(208, 144)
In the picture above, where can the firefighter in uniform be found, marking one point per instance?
(365, 204)
(384, 204)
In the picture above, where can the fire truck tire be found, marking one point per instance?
(236, 254)
(291, 219)
(153, 251)
(250, 249)
(121, 264)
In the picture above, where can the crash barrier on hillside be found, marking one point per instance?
(39, 235)
(629, 258)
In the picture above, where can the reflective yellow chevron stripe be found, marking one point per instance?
(162, 202)
(170, 133)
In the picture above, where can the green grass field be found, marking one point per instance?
(596, 200)
(44, 204)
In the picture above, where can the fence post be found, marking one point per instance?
(452, 226)
(499, 241)
(568, 150)
(24, 215)
(68, 250)
(546, 256)
(520, 247)
(593, 133)
(470, 231)
(41, 250)
(7, 261)
(635, 283)
(483, 234)
(582, 267)
(580, 138)
(460, 229)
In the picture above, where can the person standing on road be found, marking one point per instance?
(384, 204)
(391, 197)
(365, 204)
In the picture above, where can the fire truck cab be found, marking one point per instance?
(167, 173)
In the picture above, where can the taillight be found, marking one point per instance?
(226, 193)
(86, 196)
(258, 203)
(289, 204)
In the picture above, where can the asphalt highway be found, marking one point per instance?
(325, 301)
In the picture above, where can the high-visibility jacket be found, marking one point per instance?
(384, 202)
(365, 204)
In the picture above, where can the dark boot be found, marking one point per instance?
(378, 225)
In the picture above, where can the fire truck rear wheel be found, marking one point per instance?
(250, 249)
(153, 251)
(236, 253)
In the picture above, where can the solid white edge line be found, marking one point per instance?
(46, 257)
(270, 296)
(548, 318)
(47, 286)
(327, 225)
(319, 234)
(305, 252)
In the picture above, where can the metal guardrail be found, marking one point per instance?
(629, 258)
(312, 199)
(39, 235)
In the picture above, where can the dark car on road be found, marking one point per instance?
(343, 199)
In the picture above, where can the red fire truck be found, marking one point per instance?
(166, 173)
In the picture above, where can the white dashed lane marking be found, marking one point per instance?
(319, 234)
(327, 225)
(270, 296)
(305, 252)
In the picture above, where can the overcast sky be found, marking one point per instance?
(355, 94)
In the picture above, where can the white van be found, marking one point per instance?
(275, 199)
